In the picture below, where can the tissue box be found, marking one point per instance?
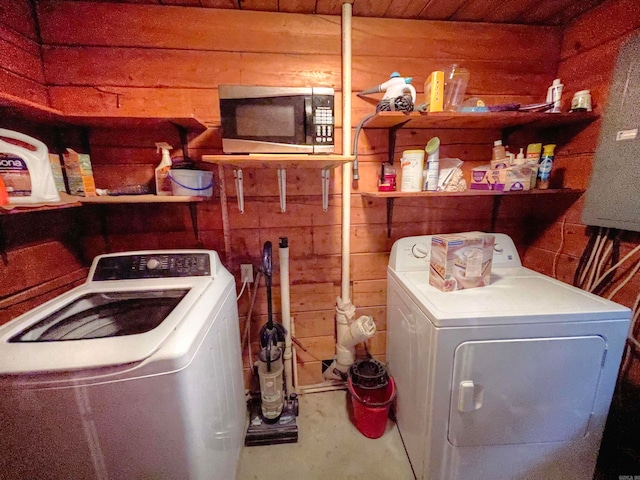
(79, 174)
(461, 260)
(510, 179)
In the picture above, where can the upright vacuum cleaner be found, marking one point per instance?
(272, 417)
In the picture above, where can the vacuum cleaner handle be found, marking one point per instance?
(267, 251)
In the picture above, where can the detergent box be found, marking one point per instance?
(508, 179)
(461, 260)
(79, 174)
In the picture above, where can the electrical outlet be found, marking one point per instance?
(246, 273)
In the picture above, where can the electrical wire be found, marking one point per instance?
(620, 262)
(633, 271)
(590, 272)
(244, 284)
(246, 336)
(557, 255)
(354, 149)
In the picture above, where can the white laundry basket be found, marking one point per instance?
(191, 182)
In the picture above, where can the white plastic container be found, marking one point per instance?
(192, 183)
(26, 173)
(412, 162)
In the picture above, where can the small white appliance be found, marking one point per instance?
(136, 374)
(508, 381)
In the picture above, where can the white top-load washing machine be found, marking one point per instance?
(136, 374)
(508, 381)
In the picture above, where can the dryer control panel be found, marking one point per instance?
(412, 254)
(152, 265)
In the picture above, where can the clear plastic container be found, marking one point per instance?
(455, 86)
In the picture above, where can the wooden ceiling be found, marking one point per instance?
(528, 12)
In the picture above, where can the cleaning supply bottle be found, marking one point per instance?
(4, 197)
(520, 160)
(546, 164)
(163, 182)
(26, 173)
(499, 151)
(554, 95)
(433, 164)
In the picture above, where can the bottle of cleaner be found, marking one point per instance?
(26, 174)
(546, 164)
(499, 151)
(554, 95)
(433, 164)
(163, 182)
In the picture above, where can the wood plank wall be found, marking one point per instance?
(127, 60)
(39, 258)
(21, 72)
(589, 52)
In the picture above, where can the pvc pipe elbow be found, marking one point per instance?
(360, 330)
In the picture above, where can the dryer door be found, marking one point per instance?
(524, 390)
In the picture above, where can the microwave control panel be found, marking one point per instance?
(323, 118)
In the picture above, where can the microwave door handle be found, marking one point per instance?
(308, 119)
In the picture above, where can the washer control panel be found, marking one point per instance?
(152, 265)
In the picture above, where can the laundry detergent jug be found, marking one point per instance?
(26, 173)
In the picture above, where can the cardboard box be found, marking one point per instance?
(434, 91)
(461, 260)
(79, 174)
(56, 169)
(510, 179)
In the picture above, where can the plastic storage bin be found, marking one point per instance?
(191, 182)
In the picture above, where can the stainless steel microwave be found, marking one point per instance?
(276, 119)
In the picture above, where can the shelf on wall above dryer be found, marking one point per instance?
(483, 120)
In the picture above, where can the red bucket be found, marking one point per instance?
(371, 407)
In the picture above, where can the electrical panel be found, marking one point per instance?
(613, 197)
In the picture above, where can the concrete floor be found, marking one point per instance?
(329, 447)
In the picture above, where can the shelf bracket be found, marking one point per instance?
(193, 210)
(326, 178)
(184, 139)
(392, 139)
(237, 175)
(495, 211)
(104, 228)
(3, 244)
(282, 188)
(389, 215)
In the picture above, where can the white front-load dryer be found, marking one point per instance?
(136, 374)
(510, 381)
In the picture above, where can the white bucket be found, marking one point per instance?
(412, 162)
(191, 182)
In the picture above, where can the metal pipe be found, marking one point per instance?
(285, 303)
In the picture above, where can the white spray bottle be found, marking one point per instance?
(163, 182)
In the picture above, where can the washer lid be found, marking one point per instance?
(103, 315)
(514, 296)
(113, 323)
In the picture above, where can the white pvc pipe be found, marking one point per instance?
(285, 302)
(346, 149)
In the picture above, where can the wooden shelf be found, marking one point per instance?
(46, 114)
(477, 120)
(285, 160)
(118, 199)
(470, 193)
(70, 201)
